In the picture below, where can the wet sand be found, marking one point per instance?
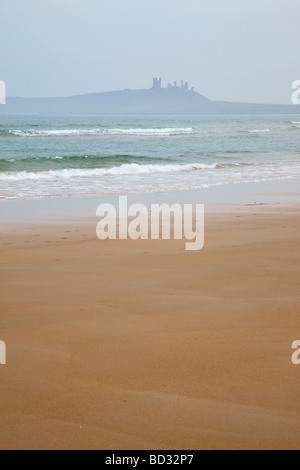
(142, 345)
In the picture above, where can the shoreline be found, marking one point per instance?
(216, 199)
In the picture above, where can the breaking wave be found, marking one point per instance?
(126, 169)
(165, 132)
(259, 131)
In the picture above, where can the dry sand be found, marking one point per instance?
(141, 345)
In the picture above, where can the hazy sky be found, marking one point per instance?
(239, 50)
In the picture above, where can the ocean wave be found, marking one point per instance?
(72, 158)
(259, 131)
(155, 132)
(126, 169)
(296, 124)
(151, 132)
(64, 162)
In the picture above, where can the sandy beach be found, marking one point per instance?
(142, 345)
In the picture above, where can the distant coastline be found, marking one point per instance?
(156, 100)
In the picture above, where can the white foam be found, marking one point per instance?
(102, 132)
(151, 132)
(126, 169)
(259, 131)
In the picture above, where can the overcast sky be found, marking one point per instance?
(238, 50)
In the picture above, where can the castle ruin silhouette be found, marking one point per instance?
(157, 85)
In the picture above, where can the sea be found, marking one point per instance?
(59, 156)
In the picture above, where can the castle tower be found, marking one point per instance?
(157, 83)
